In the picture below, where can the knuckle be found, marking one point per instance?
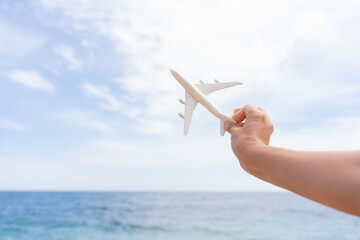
(260, 116)
(263, 116)
(260, 109)
(249, 108)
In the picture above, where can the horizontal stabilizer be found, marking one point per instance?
(222, 129)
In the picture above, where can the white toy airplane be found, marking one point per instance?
(195, 93)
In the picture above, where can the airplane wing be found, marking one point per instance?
(190, 105)
(207, 88)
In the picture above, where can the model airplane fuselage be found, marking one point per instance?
(195, 93)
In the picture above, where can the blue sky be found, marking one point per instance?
(88, 103)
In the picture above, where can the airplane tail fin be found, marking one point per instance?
(222, 129)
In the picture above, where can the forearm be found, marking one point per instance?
(330, 178)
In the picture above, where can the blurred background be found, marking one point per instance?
(87, 102)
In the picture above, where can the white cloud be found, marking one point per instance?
(179, 152)
(16, 42)
(174, 163)
(102, 92)
(334, 134)
(154, 126)
(177, 163)
(68, 54)
(31, 79)
(201, 164)
(89, 121)
(252, 41)
(40, 176)
(88, 43)
(270, 46)
(9, 124)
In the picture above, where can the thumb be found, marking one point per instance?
(229, 126)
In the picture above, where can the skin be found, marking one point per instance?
(329, 178)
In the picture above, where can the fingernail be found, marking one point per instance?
(226, 125)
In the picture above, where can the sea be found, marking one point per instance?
(170, 215)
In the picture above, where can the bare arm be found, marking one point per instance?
(330, 178)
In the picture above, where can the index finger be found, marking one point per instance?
(239, 115)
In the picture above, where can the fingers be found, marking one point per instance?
(250, 109)
(249, 112)
(229, 126)
(239, 115)
(236, 110)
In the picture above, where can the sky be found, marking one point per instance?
(87, 101)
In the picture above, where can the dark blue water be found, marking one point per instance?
(121, 215)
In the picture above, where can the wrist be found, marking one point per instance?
(255, 159)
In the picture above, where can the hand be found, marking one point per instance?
(331, 178)
(249, 135)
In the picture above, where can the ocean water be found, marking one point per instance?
(169, 215)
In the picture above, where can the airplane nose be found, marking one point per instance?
(173, 72)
